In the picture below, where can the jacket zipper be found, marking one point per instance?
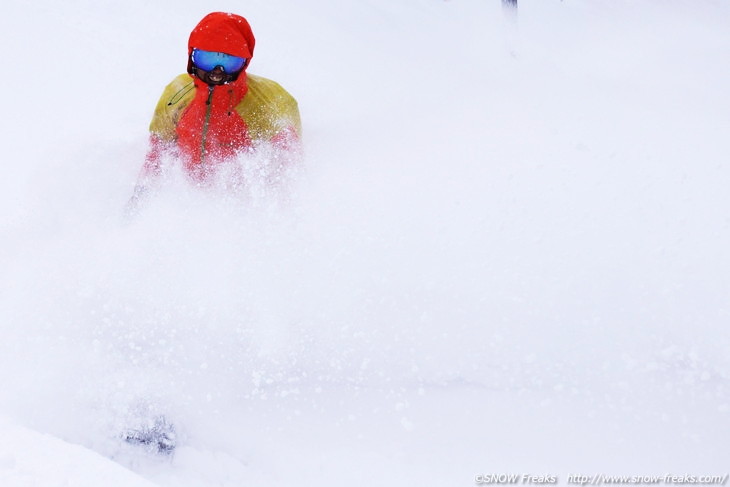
(208, 108)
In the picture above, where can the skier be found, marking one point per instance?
(217, 110)
(206, 117)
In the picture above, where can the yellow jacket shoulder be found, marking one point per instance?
(268, 109)
(175, 98)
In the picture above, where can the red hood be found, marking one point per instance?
(223, 32)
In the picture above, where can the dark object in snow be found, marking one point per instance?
(509, 3)
(157, 437)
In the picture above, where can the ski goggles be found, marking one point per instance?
(209, 60)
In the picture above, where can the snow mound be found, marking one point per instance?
(29, 458)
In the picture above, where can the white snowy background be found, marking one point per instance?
(508, 250)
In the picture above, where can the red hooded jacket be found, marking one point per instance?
(209, 124)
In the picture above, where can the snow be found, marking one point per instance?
(23, 452)
(506, 251)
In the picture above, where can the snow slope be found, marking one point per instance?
(507, 250)
(29, 458)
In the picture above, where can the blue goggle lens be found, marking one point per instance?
(209, 60)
